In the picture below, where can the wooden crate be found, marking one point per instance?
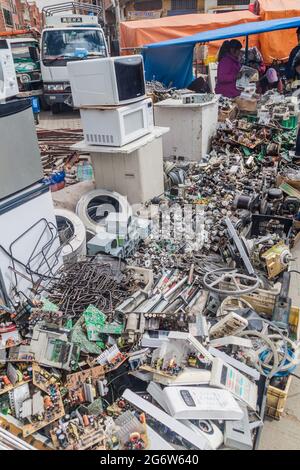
(263, 301)
(230, 114)
(246, 105)
(276, 400)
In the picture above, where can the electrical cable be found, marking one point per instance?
(295, 375)
(280, 365)
(272, 347)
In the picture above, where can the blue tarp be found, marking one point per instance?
(171, 62)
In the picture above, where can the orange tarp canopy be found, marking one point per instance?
(280, 43)
(136, 34)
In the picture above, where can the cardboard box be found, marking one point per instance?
(246, 105)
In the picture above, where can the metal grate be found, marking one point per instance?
(100, 138)
(184, 4)
(222, 3)
(147, 5)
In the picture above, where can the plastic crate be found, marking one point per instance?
(276, 400)
(290, 123)
(263, 301)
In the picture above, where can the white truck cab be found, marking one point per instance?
(67, 37)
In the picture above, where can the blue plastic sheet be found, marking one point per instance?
(172, 66)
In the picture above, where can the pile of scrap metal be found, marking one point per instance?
(165, 326)
(107, 356)
(159, 92)
(56, 154)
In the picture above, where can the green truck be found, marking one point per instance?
(26, 56)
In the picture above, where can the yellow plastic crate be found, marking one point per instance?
(276, 400)
(263, 301)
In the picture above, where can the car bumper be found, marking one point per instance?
(52, 98)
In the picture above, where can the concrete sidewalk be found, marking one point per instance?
(65, 120)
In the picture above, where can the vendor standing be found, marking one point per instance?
(229, 67)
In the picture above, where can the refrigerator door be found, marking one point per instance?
(20, 159)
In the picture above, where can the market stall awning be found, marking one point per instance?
(244, 29)
(135, 34)
(278, 43)
(171, 61)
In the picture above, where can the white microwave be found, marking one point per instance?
(119, 126)
(111, 81)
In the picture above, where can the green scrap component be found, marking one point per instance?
(57, 347)
(95, 408)
(246, 151)
(290, 123)
(112, 328)
(289, 190)
(78, 335)
(121, 241)
(100, 344)
(94, 321)
(49, 306)
(69, 324)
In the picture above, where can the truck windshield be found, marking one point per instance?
(72, 44)
(24, 51)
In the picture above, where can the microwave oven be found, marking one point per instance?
(112, 81)
(119, 126)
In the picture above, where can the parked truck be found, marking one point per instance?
(26, 56)
(25, 48)
(68, 37)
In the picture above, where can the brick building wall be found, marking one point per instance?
(8, 15)
(35, 16)
(19, 14)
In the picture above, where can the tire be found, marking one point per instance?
(56, 108)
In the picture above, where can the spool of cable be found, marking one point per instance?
(72, 235)
(94, 207)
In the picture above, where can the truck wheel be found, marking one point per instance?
(55, 108)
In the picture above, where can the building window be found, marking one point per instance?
(8, 17)
(184, 4)
(147, 5)
(225, 3)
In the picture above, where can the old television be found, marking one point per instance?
(112, 81)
